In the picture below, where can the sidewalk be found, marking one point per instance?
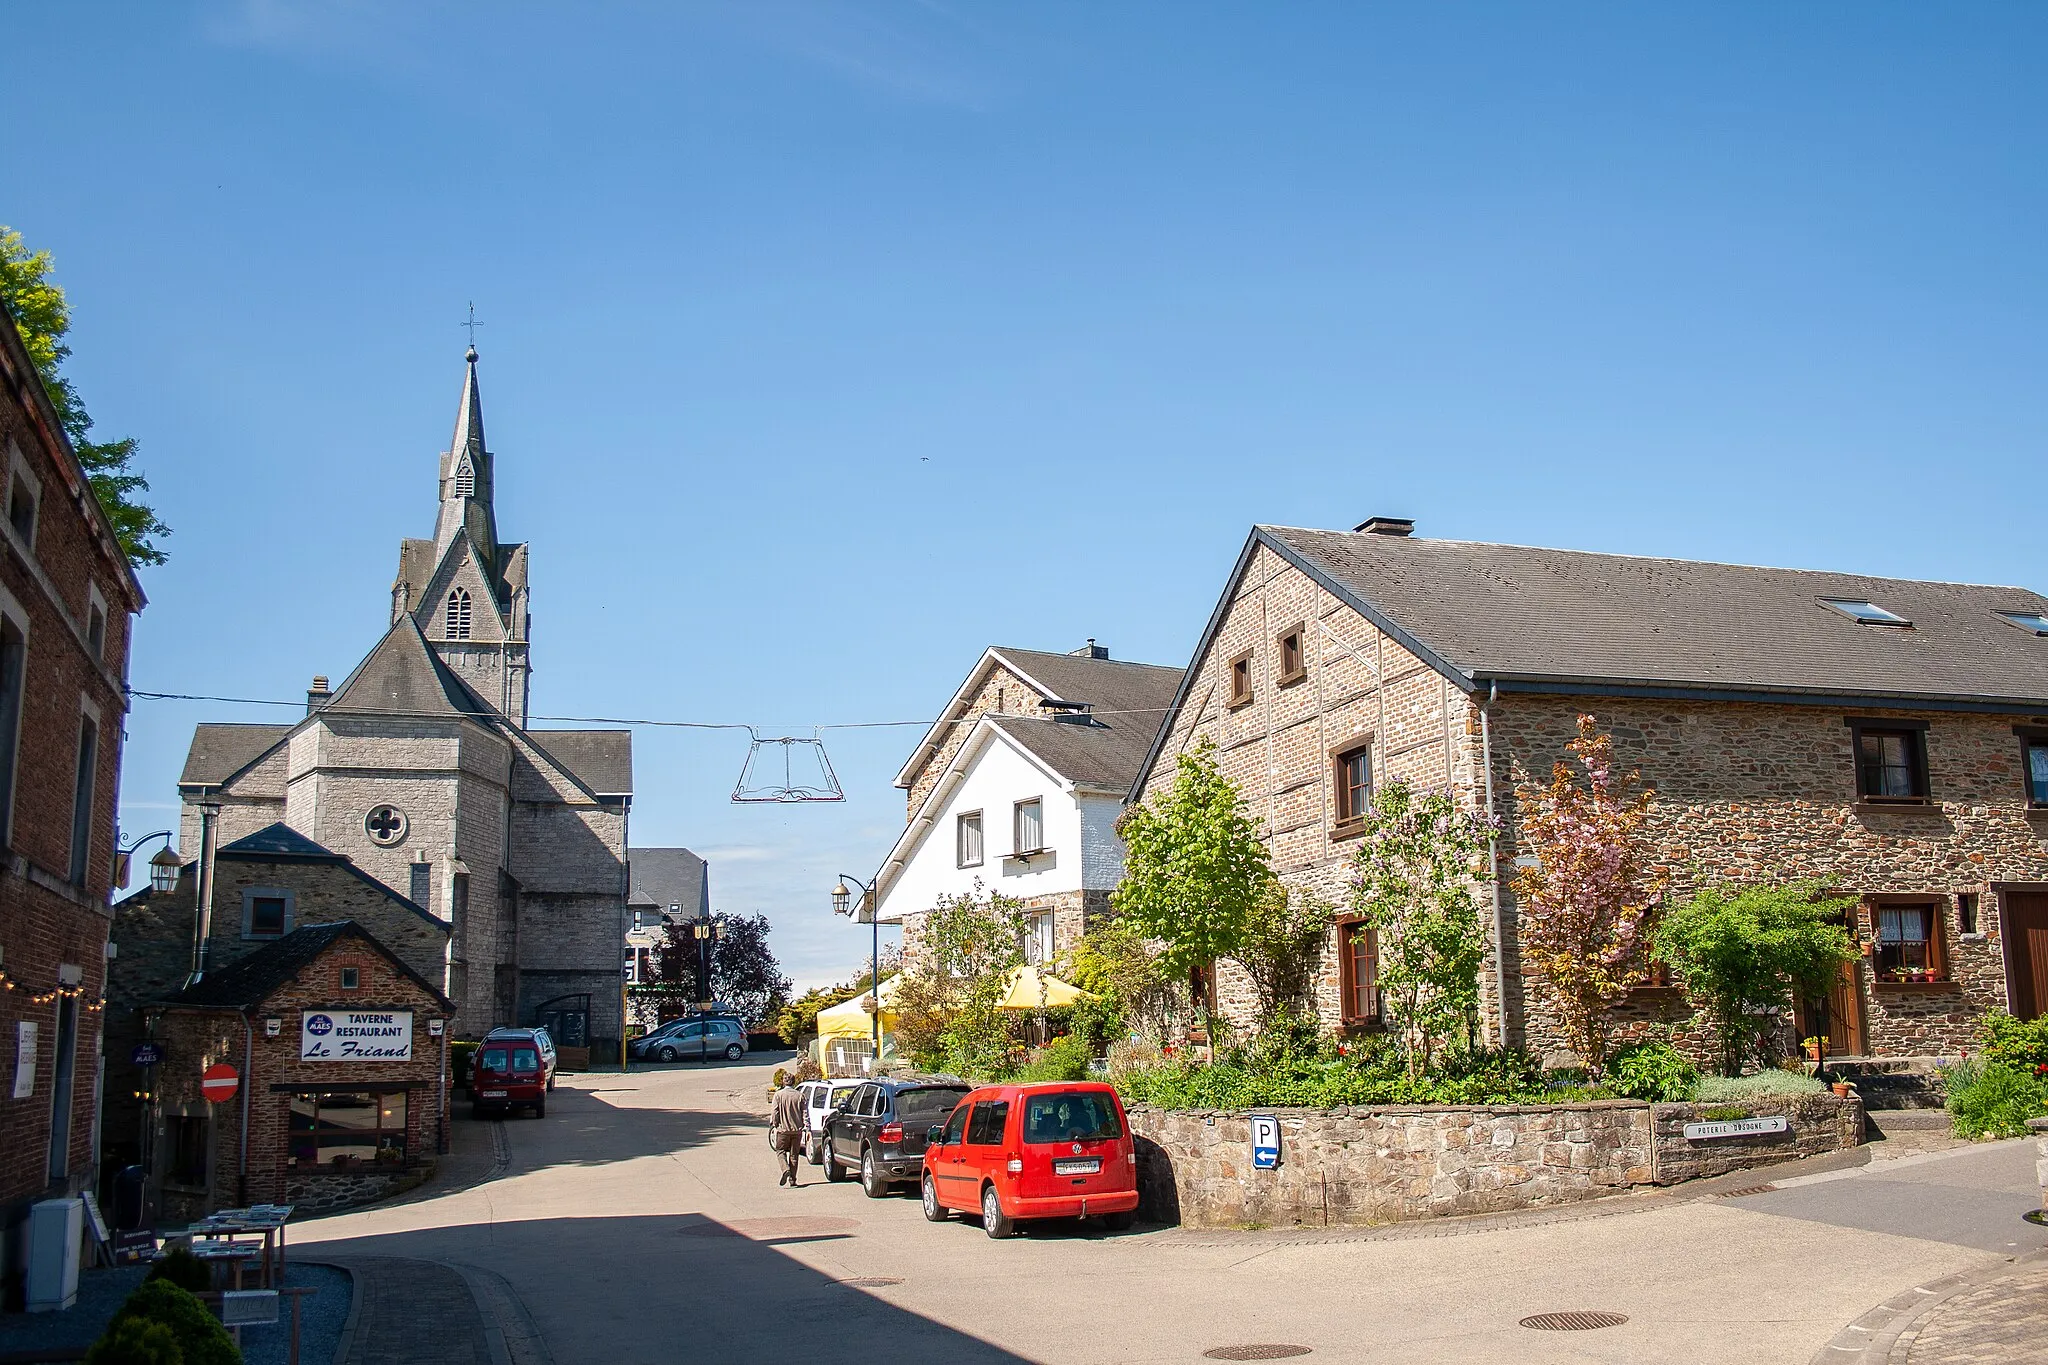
(1992, 1317)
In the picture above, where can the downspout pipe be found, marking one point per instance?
(248, 1084)
(1500, 916)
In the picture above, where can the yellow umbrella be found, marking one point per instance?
(1031, 989)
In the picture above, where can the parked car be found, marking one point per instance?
(820, 1099)
(513, 1066)
(694, 1040)
(644, 1046)
(882, 1130)
(1014, 1153)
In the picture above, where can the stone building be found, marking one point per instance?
(1017, 788)
(670, 886)
(421, 769)
(1886, 737)
(340, 1053)
(67, 596)
(266, 885)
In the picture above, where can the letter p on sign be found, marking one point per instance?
(219, 1082)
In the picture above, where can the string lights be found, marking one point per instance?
(75, 992)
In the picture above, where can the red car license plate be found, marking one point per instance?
(494, 1094)
(1087, 1167)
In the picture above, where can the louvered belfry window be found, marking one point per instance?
(458, 614)
(465, 480)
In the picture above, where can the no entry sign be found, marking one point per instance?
(219, 1082)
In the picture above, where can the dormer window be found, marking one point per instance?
(458, 614)
(2033, 622)
(1866, 613)
(465, 480)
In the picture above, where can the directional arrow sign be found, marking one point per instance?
(219, 1082)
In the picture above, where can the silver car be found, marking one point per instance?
(693, 1040)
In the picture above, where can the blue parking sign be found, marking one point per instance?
(1265, 1142)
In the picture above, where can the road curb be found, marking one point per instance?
(1873, 1336)
(344, 1343)
(509, 1330)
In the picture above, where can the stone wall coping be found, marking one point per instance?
(1364, 1110)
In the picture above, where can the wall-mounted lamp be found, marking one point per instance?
(434, 1028)
(272, 1026)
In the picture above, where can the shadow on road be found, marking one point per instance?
(692, 1287)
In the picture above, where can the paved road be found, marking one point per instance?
(640, 1223)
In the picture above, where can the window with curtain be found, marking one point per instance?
(1358, 973)
(967, 839)
(1905, 940)
(2037, 773)
(1030, 826)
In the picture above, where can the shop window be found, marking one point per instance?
(344, 1128)
(1358, 971)
(1908, 942)
(185, 1148)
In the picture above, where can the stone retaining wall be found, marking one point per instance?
(1389, 1164)
(325, 1192)
(1815, 1124)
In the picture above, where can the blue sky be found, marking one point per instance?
(826, 343)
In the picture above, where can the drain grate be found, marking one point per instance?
(1749, 1190)
(1574, 1322)
(1258, 1350)
(874, 1281)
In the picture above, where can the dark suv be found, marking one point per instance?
(880, 1129)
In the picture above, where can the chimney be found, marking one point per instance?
(1387, 526)
(1091, 650)
(1069, 712)
(319, 694)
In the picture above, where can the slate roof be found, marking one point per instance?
(1105, 756)
(249, 981)
(1514, 613)
(279, 840)
(601, 760)
(1141, 694)
(662, 877)
(219, 751)
(402, 675)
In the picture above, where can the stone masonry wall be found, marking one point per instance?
(1002, 692)
(1384, 1165)
(1814, 1124)
(1767, 793)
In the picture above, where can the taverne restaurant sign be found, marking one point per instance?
(355, 1036)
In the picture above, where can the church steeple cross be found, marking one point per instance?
(472, 325)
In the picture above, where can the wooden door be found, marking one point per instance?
(1838, 1016)
(2026, 952)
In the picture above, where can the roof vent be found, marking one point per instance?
(1387, 526)
(1069, 712)
(319, 694)
(1091, 650)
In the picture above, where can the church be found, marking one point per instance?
(421, 769)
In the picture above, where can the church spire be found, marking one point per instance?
(466, 474)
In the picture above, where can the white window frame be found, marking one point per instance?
(1038, 937)
(960, 829)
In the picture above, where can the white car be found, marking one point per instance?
(820, 1099)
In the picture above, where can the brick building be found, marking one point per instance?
(265, 886)
(67, 595)
(1886, 737)
(420, 768)
(1018, 785)
(341, 1053)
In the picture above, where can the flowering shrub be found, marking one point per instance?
(1994, 1095)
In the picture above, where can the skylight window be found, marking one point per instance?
(1868, 613)
(2032, 621)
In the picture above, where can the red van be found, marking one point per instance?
(513, 1066)
(1012, 1153)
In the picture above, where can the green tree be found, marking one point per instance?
(1279, 949)
(946, 1002)
(1195, 868)
(43, 318)
(799, 1018)
(1739, 953)
(1114, 962)
(1413, 887)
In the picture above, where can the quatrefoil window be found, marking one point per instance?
(385, 825)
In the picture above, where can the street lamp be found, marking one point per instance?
(842, 904)
(707, 932)
(163, 868)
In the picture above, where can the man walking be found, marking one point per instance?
(786, 1126)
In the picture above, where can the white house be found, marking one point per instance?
(1018, 786)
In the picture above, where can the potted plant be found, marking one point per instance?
(1812, 1047)
(1841, 1089)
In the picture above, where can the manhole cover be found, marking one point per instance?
(1749, 1190)
(874, 1281)
(1574, 1322)
(1258, 1350)
(758, 1228)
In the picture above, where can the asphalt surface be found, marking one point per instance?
(640, 1222)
